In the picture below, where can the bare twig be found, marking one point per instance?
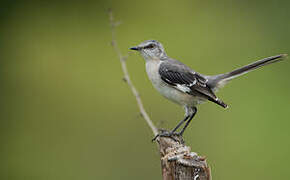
(127, 78)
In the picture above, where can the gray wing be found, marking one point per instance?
(186, 80)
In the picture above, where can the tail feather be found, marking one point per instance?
(219, 102)
(220, 80)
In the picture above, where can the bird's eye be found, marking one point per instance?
(150, 46)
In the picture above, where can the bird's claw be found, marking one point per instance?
(169, 135)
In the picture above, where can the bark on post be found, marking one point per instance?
(179, 163)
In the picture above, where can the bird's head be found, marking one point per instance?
(150, 49)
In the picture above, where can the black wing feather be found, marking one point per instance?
(176, 73)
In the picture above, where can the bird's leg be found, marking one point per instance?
(179, 124)
(171, 133)
(190, 113)
(187, 123)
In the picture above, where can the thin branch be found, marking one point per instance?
(127, 78)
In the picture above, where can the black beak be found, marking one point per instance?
(134, 48)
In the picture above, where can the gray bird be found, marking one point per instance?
(182, 85)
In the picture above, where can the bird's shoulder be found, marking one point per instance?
(174, 71)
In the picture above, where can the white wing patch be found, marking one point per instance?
(193, 83)
(183, 88)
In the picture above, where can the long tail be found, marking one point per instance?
(218, 81)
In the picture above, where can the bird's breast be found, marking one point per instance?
(152, 68)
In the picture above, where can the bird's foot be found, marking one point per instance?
(176, 136)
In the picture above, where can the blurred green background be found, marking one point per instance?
(66, 113)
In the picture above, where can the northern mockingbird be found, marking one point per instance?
(182, 85)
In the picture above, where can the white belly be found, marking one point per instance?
(166, 90)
